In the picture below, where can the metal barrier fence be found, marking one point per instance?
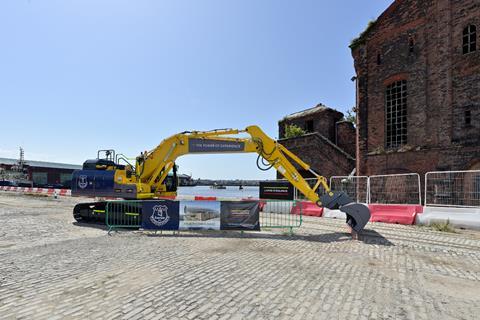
(395, 189)
(442, 188)
(281, 214)
(356, 187)
(121, 214)
(452, 188)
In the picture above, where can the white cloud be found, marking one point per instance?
(8, 153)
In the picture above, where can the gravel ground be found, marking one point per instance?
(51, 268)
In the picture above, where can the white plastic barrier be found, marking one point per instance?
(468, 218)
(283, 207)
(335, 214)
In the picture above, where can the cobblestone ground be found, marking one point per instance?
(53, 269)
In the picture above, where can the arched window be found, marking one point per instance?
(469, 39)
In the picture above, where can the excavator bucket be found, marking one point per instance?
(357, 213)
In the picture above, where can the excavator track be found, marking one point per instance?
(90, 212)
(95, 213)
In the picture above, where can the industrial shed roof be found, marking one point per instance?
(41, 164)
(317, 109)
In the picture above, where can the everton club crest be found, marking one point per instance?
(82, 182)
(160, 215)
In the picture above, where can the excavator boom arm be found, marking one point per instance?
(153, 167)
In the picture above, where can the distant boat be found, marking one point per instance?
(240, 187)
(185, 180)
(217, 186)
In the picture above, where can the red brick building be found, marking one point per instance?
(41, 173)
(418, 88)
(329, 143)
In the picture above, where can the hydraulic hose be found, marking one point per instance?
(262, 156)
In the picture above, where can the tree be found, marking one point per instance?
(352, 116)
(292, 131)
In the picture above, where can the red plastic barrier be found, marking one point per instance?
(168, 197)
(394, 213)
(261, 204)
(205, 198)
(307, 208)
(48, 191)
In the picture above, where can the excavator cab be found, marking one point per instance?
(101, 163)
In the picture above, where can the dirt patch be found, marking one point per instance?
(436, 260)
(244, 245)
(452, 287)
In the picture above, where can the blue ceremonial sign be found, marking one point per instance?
(160, 215)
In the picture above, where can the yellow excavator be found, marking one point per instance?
(113, 176)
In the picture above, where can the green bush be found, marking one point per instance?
(292, 131)
(361, 39)
(443, 227)
(352, 116)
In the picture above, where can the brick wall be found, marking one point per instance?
(322, 155)
(329, 149)
(345, 137)
(324, 122)
(420, 42)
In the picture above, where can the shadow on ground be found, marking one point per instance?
(91, 225)
(367, 237)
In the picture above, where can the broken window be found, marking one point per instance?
(309, 125)
(411, 45)
(468, 118)
(469, 39)
(396, 114)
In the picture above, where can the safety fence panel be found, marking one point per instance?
(281, 214)
(395, 189)
(452, 188)
(123, 214)
(356, 187)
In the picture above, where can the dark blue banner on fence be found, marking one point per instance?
(240, 215)
(160, 215)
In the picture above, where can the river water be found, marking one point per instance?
(230, 192)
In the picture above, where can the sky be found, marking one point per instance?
(82, 75)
